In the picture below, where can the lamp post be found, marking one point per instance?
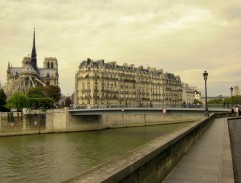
(231, 89)
(205, 76)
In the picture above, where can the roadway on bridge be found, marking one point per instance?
(209, 160)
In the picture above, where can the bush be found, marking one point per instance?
(41, 103)
(17, 100)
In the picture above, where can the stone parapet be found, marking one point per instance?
(61, 120)
(151, 162)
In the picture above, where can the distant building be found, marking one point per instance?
(236, 91)
(197, 94)
(30, 75)
(187, 94)
(100, 84)
(172, 90)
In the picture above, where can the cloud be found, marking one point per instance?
(185, 37)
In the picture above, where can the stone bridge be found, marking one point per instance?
(65, 120)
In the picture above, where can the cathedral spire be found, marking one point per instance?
(34, 53)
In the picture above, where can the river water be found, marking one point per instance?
(60, 156)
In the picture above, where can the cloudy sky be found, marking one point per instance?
(184, 37)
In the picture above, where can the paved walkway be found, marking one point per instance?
(209, 160)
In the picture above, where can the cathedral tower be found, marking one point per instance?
(30, 75)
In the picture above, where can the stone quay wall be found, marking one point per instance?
(151, 162)
(32, 122)
(61, 120)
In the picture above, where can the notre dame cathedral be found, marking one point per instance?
(30, 75)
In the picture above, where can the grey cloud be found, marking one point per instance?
(137, 32)
(232, 11)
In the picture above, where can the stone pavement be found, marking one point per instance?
(209, 160)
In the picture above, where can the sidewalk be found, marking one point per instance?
(209, 160)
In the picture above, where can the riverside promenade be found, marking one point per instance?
(209, 160)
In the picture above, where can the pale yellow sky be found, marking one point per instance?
(184, 37)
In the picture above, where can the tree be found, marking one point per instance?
(67, 102)
(41, 103)
(216, 101)
(228, 100)
(196, 101)
(236, 100)
(3, 98)
(52, 92)
(17, 100)
(35, 92)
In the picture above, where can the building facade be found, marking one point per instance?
(30, 75)
(189, 95)
(100, 84)
(197, 94)
(236, 91)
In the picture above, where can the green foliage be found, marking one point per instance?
(196, 101)
(35, 92)
(67, 102)
(36, 98)
(41, 102)
(52, 92)
(236, 99)
(17, 100)
(216, 101)
(3, 98)
(49, 94)
(228, 100)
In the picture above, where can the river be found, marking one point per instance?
(60, 156)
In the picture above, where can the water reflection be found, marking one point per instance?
(57, 157)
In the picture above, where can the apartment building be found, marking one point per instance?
(100, 84)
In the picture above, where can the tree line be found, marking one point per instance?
(37, 97)
(229, 100)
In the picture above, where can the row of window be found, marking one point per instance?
(123, 76)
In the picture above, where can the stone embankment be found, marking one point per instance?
(61, 120)
(151, 162)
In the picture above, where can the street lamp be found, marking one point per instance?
(231, 89)
(205, 76)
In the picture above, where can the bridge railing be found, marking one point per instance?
(103, 106)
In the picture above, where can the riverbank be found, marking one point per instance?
(61, 120)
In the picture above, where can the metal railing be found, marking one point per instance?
(105, 106)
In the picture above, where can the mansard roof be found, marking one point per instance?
(171, 76)
(113, 65)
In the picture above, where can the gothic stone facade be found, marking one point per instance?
(29, 75)
(100, 84)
